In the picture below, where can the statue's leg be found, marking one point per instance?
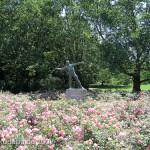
(77, 80)
(70, 81)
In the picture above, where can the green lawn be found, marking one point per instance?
(145, 87)
(118, 88)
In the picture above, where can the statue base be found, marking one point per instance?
(77, 94)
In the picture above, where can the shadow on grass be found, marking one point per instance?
(109, 86)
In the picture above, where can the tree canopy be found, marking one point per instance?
(39, 35)
(123, 31)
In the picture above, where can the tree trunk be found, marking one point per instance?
(102, 83)
(136, 83)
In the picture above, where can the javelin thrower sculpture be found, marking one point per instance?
(71, 71)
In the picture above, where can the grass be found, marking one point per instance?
(113, 88)
(145, 87)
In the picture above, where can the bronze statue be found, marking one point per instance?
(71, 71)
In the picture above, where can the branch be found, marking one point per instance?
(145, 69)
(100, 32)
(125, 72)
(145, 80)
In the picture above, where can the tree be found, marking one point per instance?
(35, 39)
(28, 30)
(123, 31)
(79, 44)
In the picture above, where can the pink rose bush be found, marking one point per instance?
(78, 132)
(109, 122)
(122, 134)
(21, 148)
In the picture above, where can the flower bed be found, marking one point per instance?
(109, 122)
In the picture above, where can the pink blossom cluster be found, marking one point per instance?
(79, 133)
(9, 132)
(67, 124)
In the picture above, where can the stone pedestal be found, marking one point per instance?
(77, 94)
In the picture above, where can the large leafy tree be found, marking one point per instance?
(123, 31)
(36, 38)
(28, 32)
(78, 43)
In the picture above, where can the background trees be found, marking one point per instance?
(123, 31)
(38, 36)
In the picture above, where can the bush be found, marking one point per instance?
(50, 83)
(110, 122)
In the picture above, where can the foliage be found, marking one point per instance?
(50, 83)
(122, 28)
(36, 38)
(110, 122)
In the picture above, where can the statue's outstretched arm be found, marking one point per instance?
(61, 68)
(79, 63)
